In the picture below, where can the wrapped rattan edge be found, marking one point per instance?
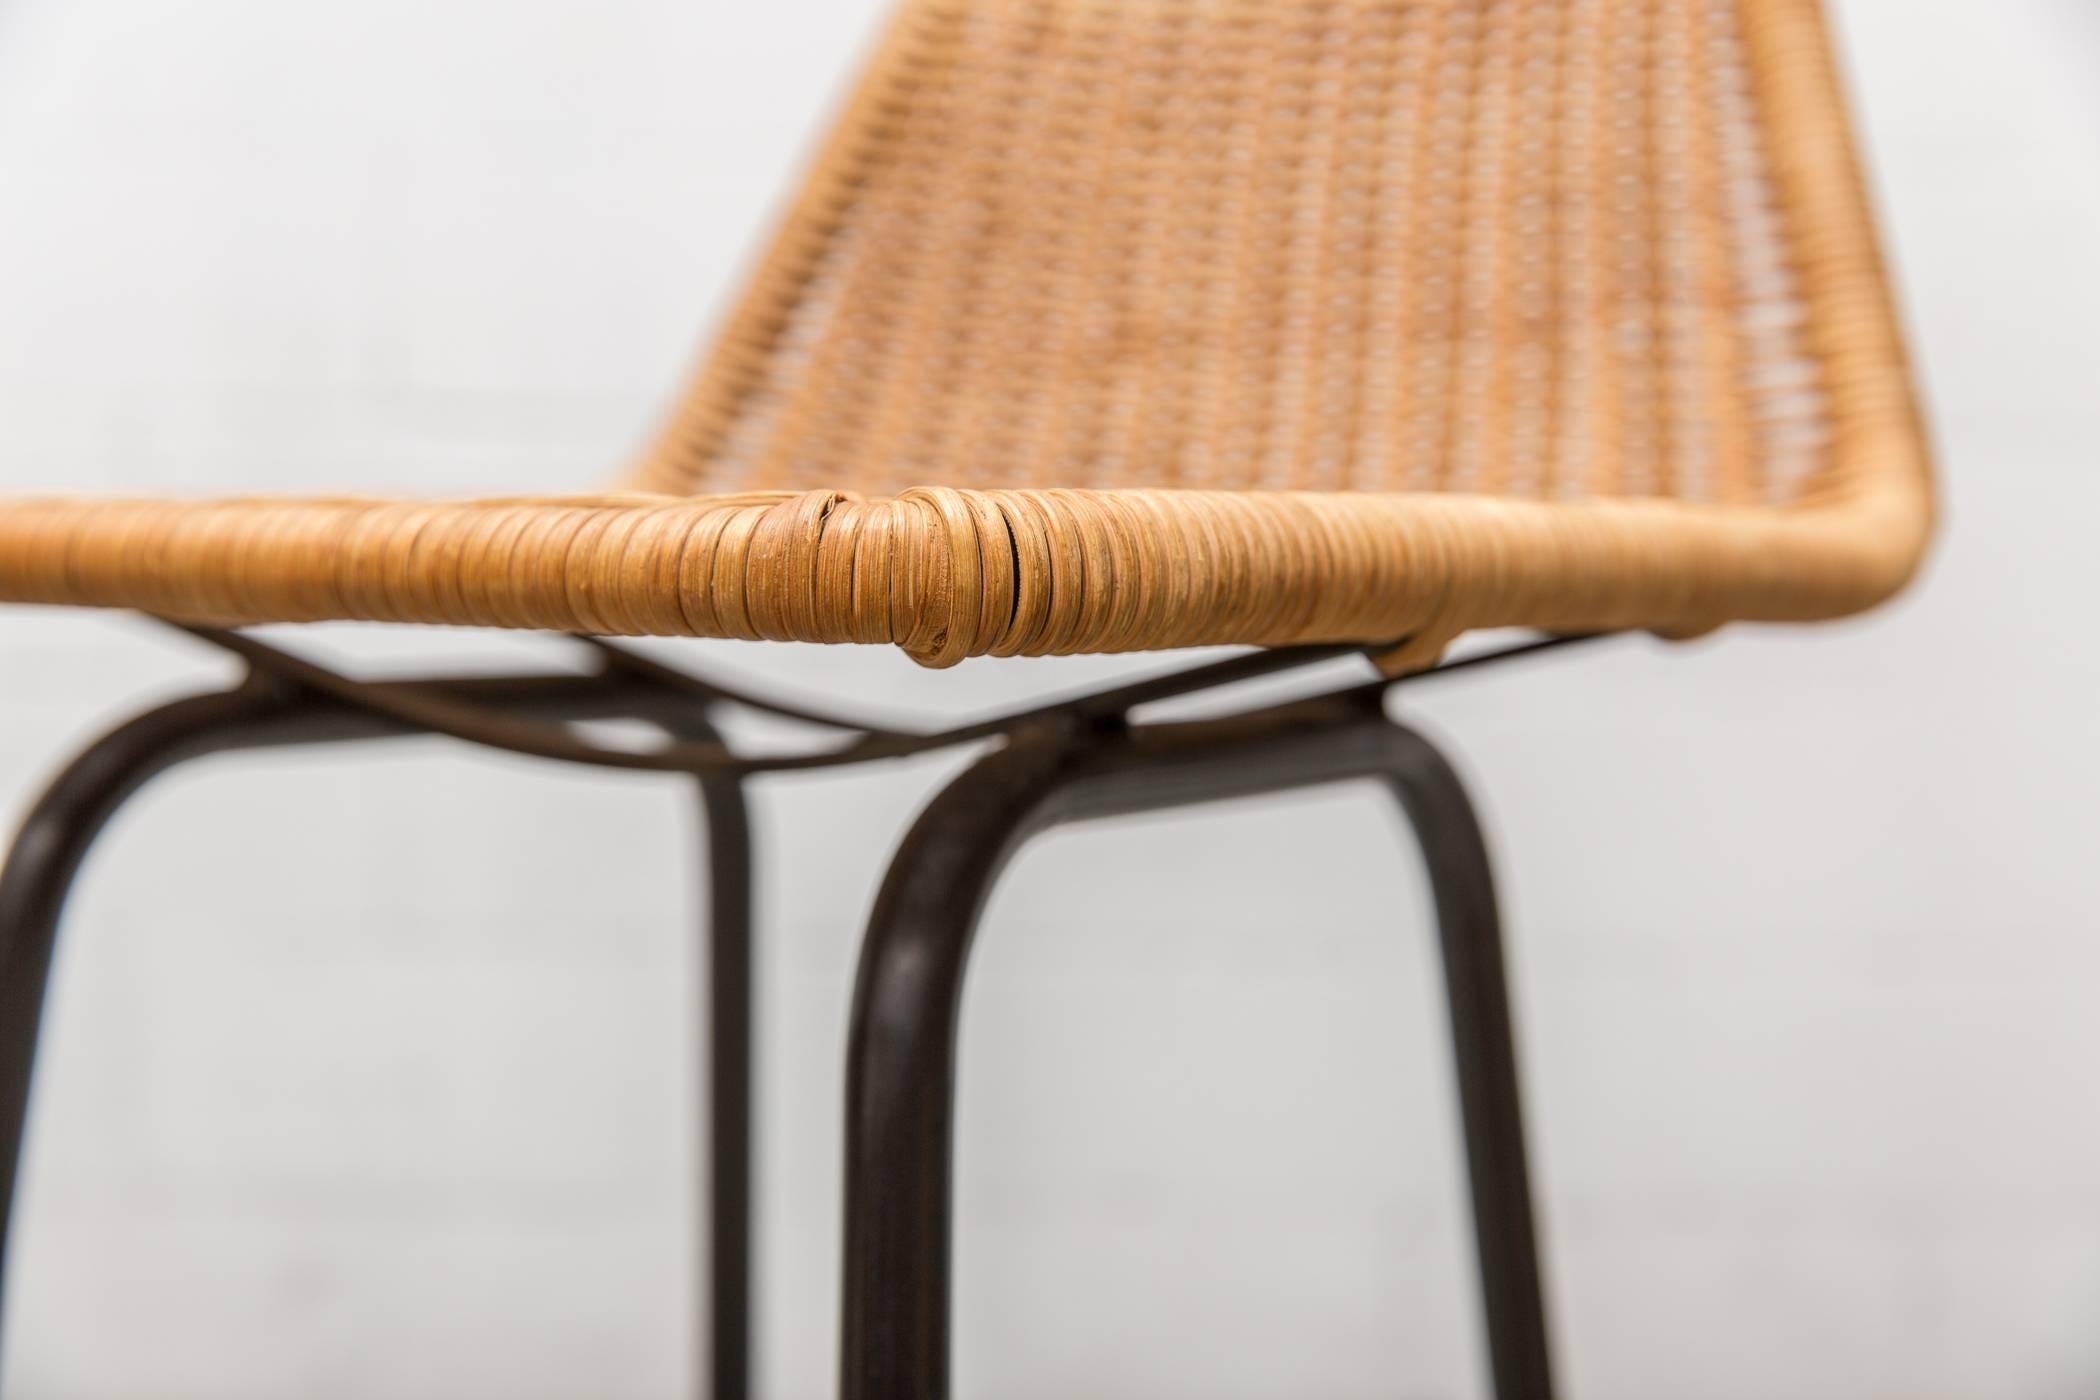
(947, 574)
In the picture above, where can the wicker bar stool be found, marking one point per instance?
(1315, 326)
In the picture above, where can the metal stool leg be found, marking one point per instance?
(48, 852)
(63, 824)
(900, 1071)
(907, 1005)
(724, 1371)
(729, 1086)
(1483, 1041)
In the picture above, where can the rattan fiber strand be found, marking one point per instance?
(1105, 325)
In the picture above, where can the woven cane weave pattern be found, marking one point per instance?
(1525, 247)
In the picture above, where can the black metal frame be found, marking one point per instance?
(267, 713)
(907, 1003)
(1066, 761)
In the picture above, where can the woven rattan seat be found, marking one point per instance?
(1103, 325)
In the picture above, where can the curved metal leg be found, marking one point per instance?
(907, 1006)
(62, 826)
(1484, 1046)
(48, 852)
(900, 1071)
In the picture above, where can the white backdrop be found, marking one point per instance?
(368, 1072)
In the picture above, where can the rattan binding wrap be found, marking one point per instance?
(1106, 325)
